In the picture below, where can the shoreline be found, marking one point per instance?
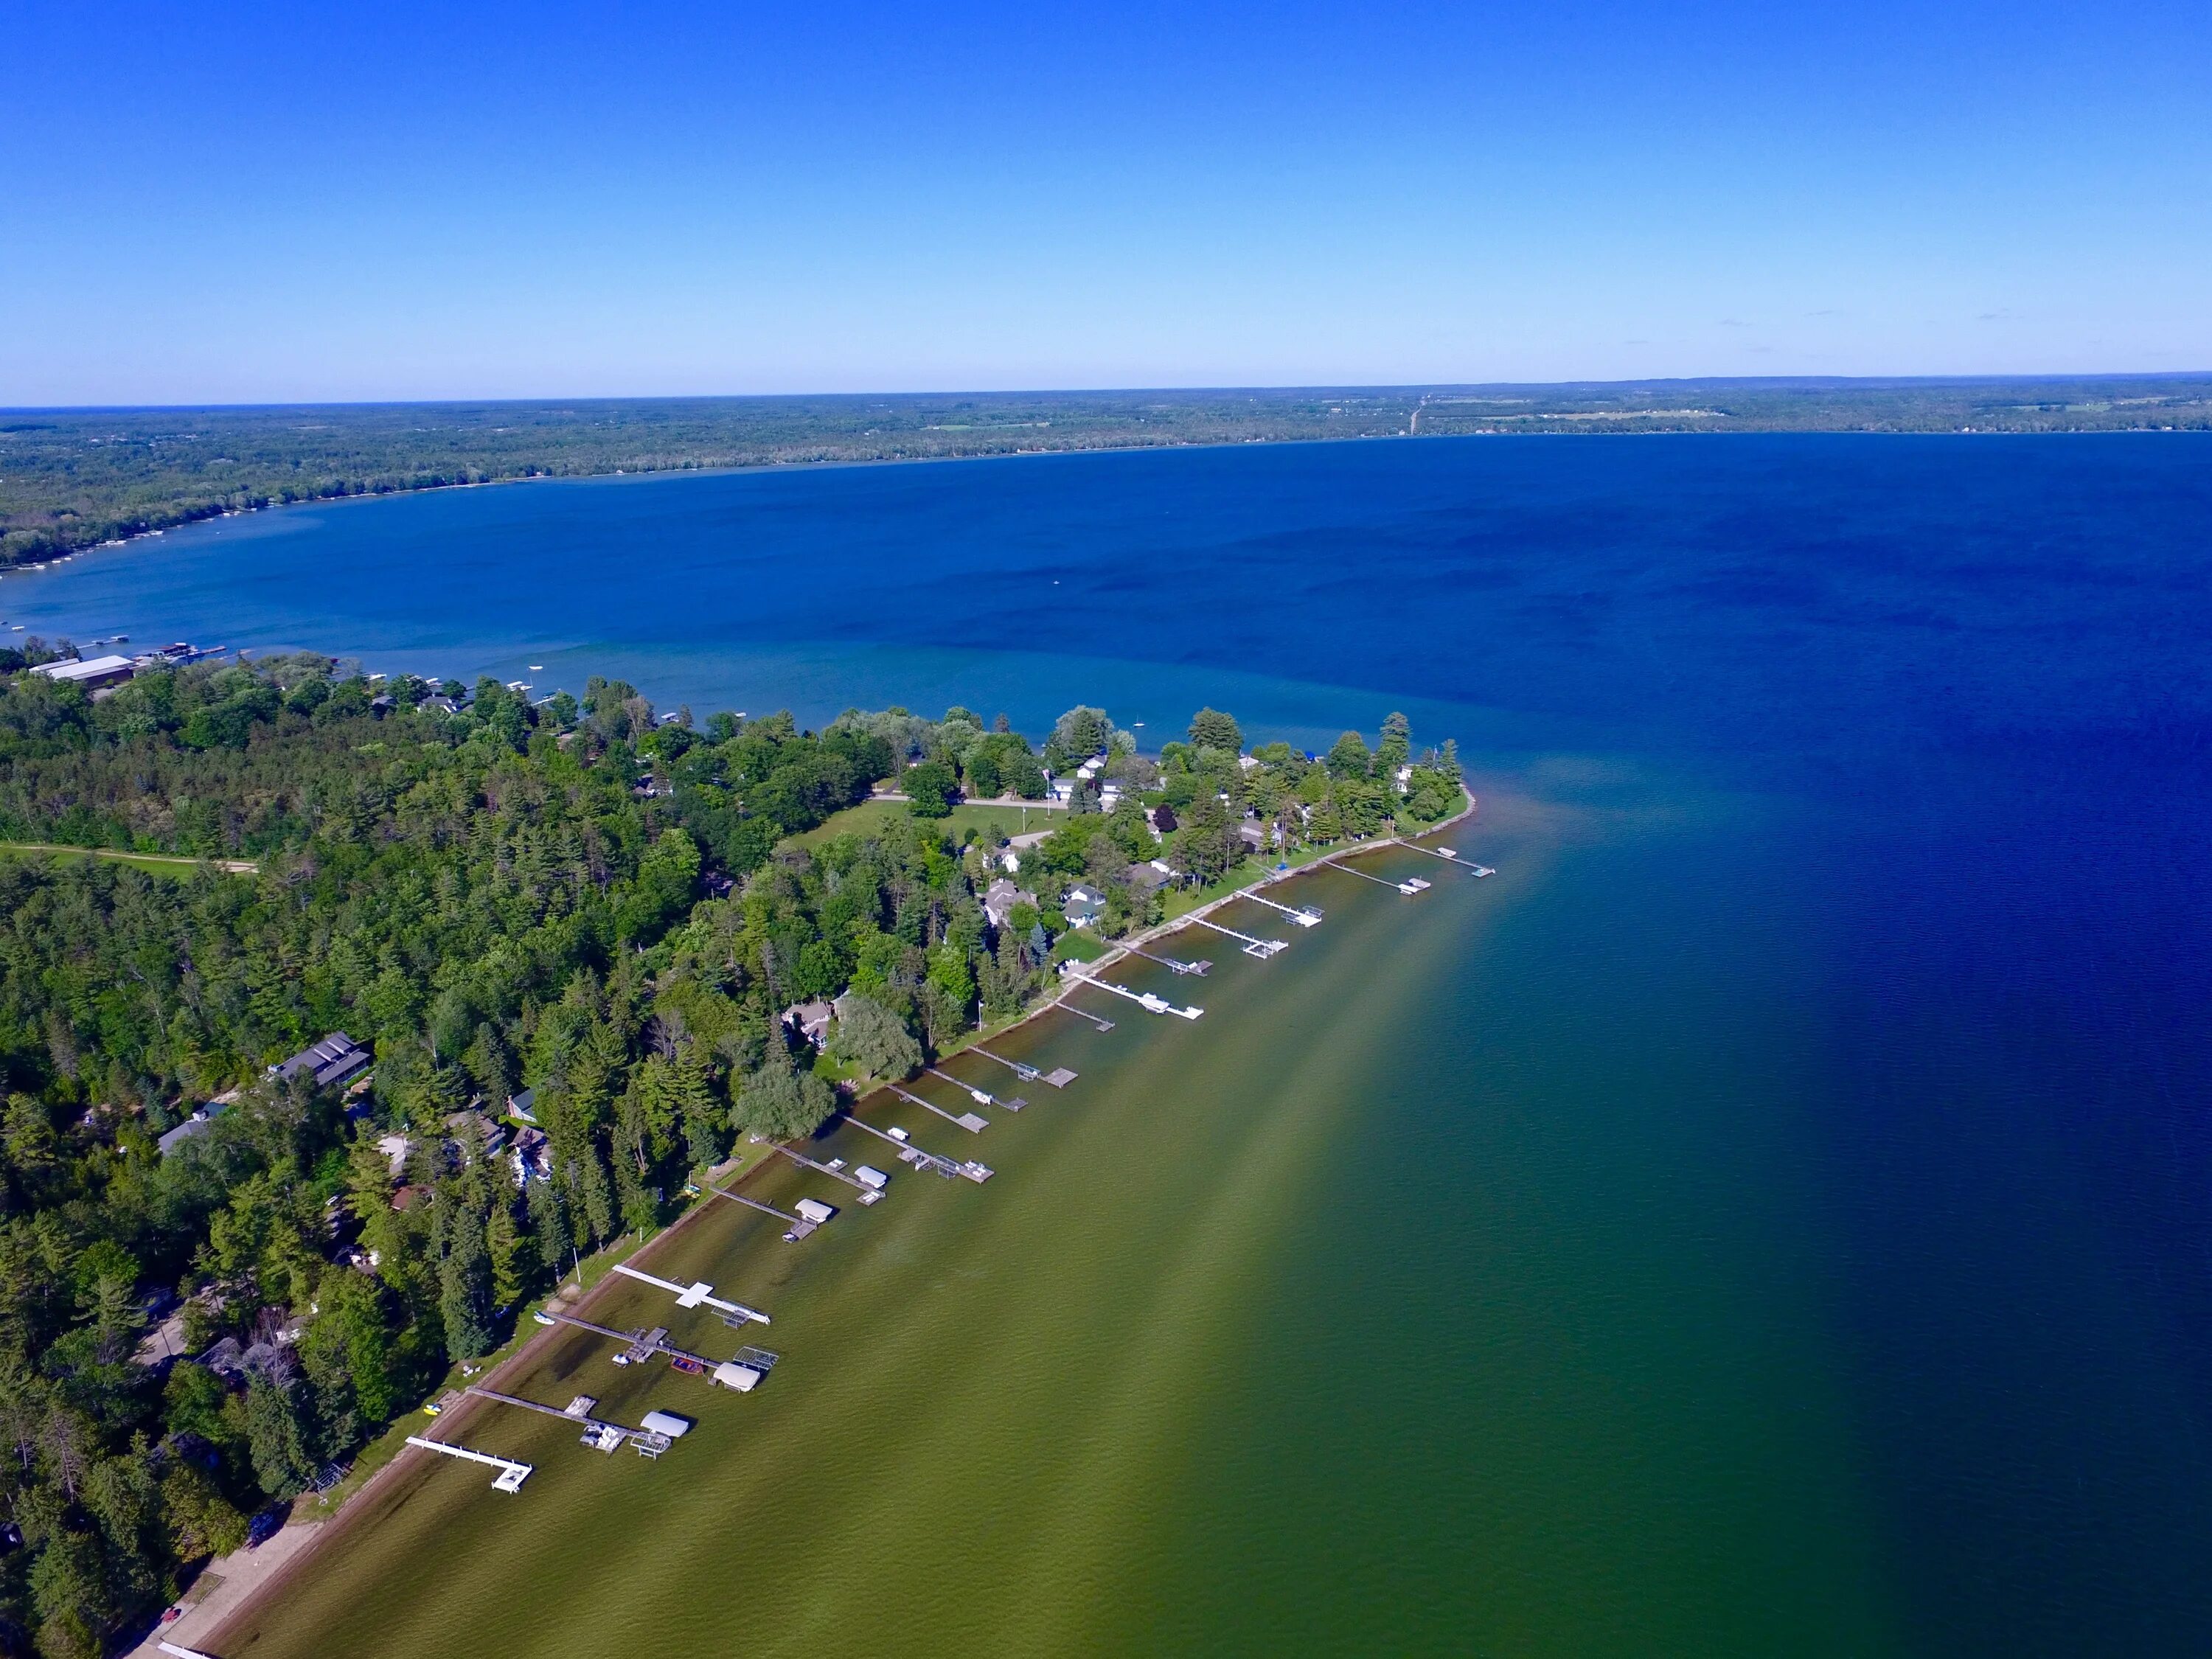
(185, 521)
(318, 1533)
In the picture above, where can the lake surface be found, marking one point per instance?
(1773, 1215)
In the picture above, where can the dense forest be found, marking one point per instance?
(72, 478)
(594, 902)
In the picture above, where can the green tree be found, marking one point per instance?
(869, 1036)
(1348, 757)
(1211, 729)
(783, 1104)
(930, 788)
(279, 1437)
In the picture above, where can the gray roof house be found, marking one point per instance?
(1000, 899)
(333, 1060)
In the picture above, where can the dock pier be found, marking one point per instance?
(1306, 915)
(967, 1121)
(700, 1294)
(1451, 856)
(1411, 883)
(1102, 1023)
(510, 1478)
(1262, 948)
(1169, 963)
(910, 1153)
(599, 1434)
(868, 1195)
(981, 1096)
(1059, 1077)
(1149, 1001)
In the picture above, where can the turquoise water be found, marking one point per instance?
(1770, 1217)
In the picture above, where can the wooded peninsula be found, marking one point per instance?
(73, 479)
(482, 986)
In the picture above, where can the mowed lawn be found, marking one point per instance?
(160, 864)
(992, 821)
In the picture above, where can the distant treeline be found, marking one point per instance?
(72, 478)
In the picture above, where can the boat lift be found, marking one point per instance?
(700, 1294)
(1262, 948)
(981, 1096)
(1411, 883)
(510, 1477)
(910, 1153)
(1059, 1077)
(598, 1434)
(644, 1344)
(1169, 963)
(1306, 915)
(1152, 1003)
(968, 1121)
(868, 1195)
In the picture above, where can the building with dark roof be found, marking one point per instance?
(336, 1058)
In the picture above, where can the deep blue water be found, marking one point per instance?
(1950, 695)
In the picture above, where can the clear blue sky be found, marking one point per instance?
(241, 203)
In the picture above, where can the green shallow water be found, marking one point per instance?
(1437, 1291)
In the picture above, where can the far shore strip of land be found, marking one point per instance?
(237, 1596)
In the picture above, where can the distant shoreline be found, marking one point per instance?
(78, 478)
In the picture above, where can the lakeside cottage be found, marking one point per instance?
(1000, 898)
(810, 1020)
(1083, 907)
(532, 1157)
(196, 1125)
(337, 1059)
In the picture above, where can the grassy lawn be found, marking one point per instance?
(993, 821)
(160, 864)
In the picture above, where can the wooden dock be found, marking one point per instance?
(1059, 1077)
(1262, 948)
(981, 1096)
(967, 1121)
(599, 1434)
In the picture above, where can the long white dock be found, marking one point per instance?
(1306, 915)
(1262, 948)
(967, 1121)
(698, 1295)
(1151, 1003)
(510, 1478)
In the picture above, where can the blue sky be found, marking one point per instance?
(229, 203)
